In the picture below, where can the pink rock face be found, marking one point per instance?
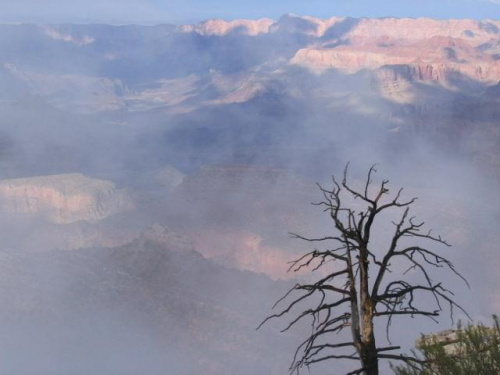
(347, 59)
(423, 65)
(433, 50)
(244, 250)
(62, 199)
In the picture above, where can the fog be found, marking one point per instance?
(150, 177)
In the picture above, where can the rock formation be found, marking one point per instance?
(62, 199)
(433, 50)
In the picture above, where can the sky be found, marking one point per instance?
(192, 11)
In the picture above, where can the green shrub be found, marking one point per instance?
(475, 350)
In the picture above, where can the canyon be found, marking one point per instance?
(150, 176)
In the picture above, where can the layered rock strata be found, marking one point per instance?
(62, 199)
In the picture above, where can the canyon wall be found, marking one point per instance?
(62, 199)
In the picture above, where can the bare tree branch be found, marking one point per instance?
(350, 284)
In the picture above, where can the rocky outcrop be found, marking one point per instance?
(433, 50)
(435, 60)
(62, 199)
(245, 250)
(346, 59)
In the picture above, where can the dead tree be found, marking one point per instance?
(356, 283)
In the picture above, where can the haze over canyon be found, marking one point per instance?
(150, 176)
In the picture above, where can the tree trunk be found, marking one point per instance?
(368, 353)
(369, 359)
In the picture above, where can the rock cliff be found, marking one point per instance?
(433, 50)
(62, 199)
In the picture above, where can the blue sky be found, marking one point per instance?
(184, 11)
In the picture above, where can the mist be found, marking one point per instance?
(150, 177)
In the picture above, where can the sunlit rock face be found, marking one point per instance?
(244, 250)
(434, 51)
(62, 199)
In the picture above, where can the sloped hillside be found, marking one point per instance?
(141, 307)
